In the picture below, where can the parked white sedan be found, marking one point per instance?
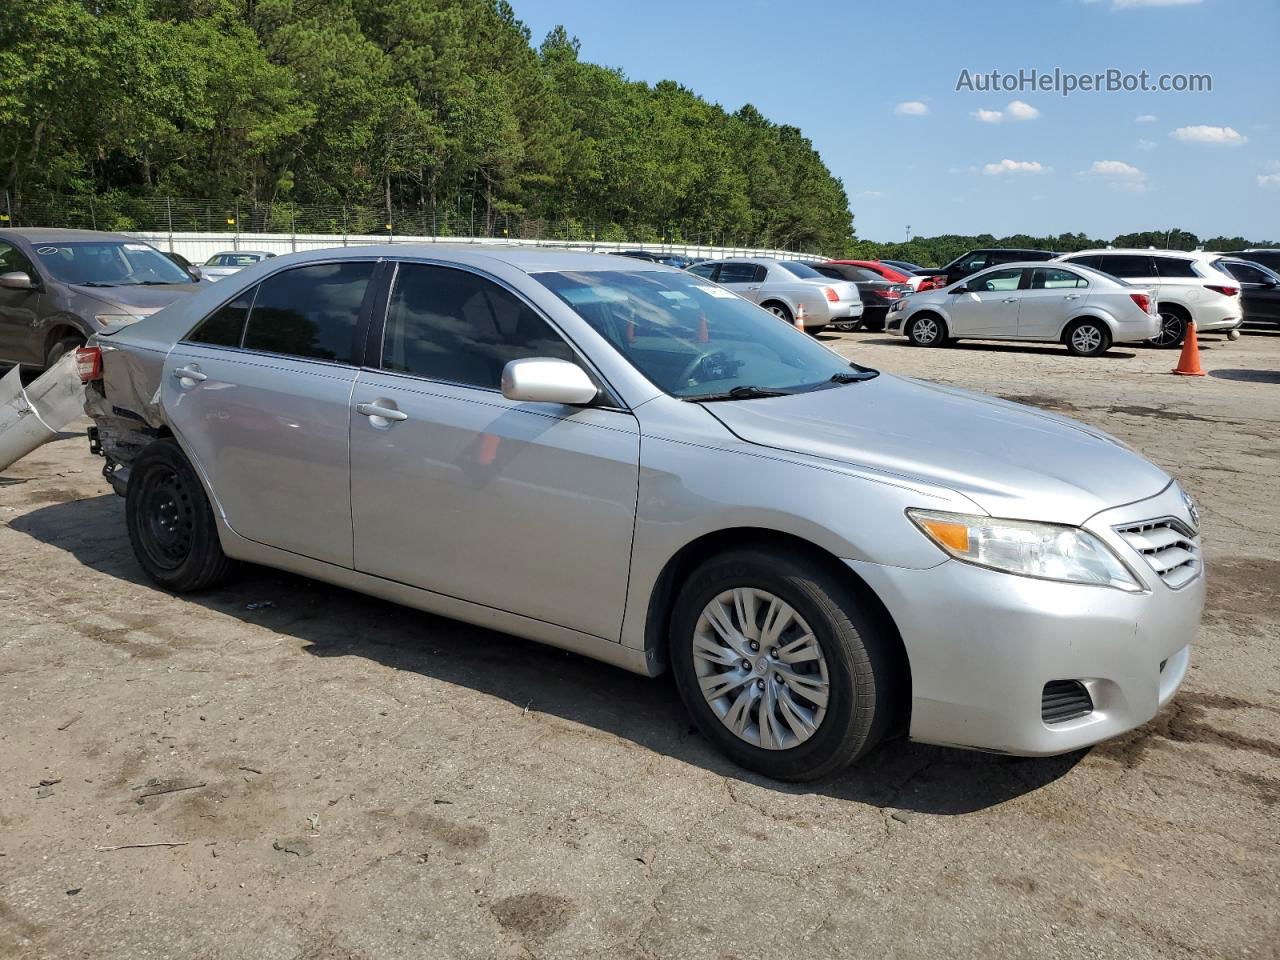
(1084, 309)
(232, 261)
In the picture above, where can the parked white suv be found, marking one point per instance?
(1187, 287)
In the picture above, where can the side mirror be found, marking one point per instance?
(196, 273)
(960, 289)
(17, 280)
(544, 380)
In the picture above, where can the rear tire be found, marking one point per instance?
(1173, 328)
(927, 330)
(1087, 338)
(60, 347)
(171, 525)
(781, 311)
(853, 664)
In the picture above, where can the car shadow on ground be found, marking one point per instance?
(333, 622)
(990, 346)
(1247, 376)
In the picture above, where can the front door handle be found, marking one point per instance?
(376, 409)
(1009, 300)
(190, 373)
(1072, 296)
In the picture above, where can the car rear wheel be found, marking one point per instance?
(779, 664)
(926, 330)
(1173, 328)
(1087, 338)
(171, 525)
(780, 311)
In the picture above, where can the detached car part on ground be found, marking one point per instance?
(627, 461)
(31, 416)
(1082, 309)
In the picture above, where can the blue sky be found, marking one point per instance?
(1208, 162)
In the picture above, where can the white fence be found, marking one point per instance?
(199, 247)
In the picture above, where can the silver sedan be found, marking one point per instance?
(624, 460)
(788, 289)
(1084, 309)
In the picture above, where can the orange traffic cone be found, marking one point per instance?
(1189, 362)
(800, 317)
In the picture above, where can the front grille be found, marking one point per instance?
(1064, 700)
(1168, 547)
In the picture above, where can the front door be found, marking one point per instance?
(259, 397)
(989, 305)
(1050, 297)
(524, 507)
(20, 337)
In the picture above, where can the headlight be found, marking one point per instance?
(116, 319)
(1044, 550)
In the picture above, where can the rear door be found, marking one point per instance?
(259, 397)
(1260, 294)
(989, 307)
(525, 507)
(1051, 295)
(744, 279)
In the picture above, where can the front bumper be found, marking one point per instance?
(982, 646)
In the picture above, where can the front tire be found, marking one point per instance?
(780, 664)
(1087, 338)
(927, 330)
(60, 347)
(171, 525)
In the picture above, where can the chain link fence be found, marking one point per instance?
(463, 218)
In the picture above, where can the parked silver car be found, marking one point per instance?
(232, 261)
(624, 460)
(57, 287)
(786, 288)
(1083, 309)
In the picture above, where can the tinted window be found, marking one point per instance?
(225, 328)
(1268, 258)
(310, 312)
(452, 325)
(12, 259)
(803, 271)
(1127, 265)
(737, 273)
(1175, 268)
(707, 270)
(1246, 272)
(971, 263)
(1050, 278)
(996, 280)
(1092, 260)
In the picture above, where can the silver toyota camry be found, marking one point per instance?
(630, 462)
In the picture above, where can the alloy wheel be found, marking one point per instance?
(925, 331)
(1171, 330)
(779, 312)
(1086, 338)
(760, 668)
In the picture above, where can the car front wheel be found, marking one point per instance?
(780, 665)
(926, 330)
(1087, 338)
(171, 525)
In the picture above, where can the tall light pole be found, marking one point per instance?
(908, 233)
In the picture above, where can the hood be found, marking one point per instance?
(138, 300)
(1013, 461)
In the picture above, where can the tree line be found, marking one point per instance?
(396, 104)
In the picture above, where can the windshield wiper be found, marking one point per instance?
(746, 392)
(854, 377)
(95, 283)
(156, 283)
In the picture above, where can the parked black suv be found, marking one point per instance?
(975, 260)
(1268, 258)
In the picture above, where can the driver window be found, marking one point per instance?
(996, 281)
(13, 260)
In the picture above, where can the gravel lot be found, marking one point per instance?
(354, 779)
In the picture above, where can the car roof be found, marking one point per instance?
(1139, 252)
(54, 234)
(233, 253)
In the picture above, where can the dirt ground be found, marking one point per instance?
(350, 779)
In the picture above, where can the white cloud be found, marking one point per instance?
(1021, 110)
(988, 116)
(1270, 180)
(1124, 4)
(1217, 136)
(1147, 144)
(1145, 118)
(1118, 175)
(1014, 166)
(911, 108)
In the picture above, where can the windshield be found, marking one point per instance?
(109, 264)
(800, 270)
(693, 339)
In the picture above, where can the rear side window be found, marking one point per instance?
(1051, 278)
(226, 327)
(447, 324)
(707, 270)
(1176, 269)
(1127, 265)
(1092, 260)
(310, 312)
(1244, 272)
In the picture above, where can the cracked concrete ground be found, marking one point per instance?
(365, 781)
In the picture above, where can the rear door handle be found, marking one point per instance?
(1072, 296)
(376, 409)
(190, 373)
(1009, 300)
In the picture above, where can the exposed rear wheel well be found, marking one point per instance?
(692, 555)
